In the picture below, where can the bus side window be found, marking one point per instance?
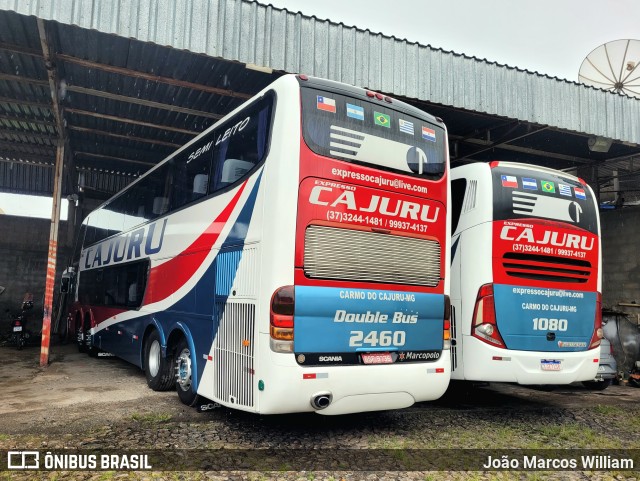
(458, 188)
(234, 169)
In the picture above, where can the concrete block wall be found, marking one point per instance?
(621, 259)
(24, 246)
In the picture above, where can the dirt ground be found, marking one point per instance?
(104, 403)
(75, 391)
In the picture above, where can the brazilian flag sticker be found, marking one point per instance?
(382, 119)
(548, 187)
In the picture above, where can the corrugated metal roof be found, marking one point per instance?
(253, 33)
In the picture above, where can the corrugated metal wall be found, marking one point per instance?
(253, 33)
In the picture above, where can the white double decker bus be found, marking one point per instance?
(293, 257)
(526, 275)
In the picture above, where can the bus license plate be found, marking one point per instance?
(17, 328)
(550, 365)
(377, 358)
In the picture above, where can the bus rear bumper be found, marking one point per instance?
(354, 389)
(487, 363)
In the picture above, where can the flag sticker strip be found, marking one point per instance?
(406, 126)
(428, 134)
(382, 119)
(548, 187)
(579, 193)
(327, 104)
(529, 184)
(355, 112)
(564, 189)
(509, 181)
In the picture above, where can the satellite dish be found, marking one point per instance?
(613, 66)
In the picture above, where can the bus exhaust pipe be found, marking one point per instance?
(321, 400)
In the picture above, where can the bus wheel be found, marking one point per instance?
(184, 374)
(158, 369)
(82, 347)
(88, 339)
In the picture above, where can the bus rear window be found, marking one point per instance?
(351, 129)
(520, 193)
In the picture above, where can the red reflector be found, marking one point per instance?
(497, 358)
(309, 376)
(18, 323)
(439, 370)
(596, 360)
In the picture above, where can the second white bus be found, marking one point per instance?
(525, 275)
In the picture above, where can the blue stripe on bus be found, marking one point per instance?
(195, 313)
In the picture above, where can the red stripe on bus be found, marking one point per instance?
(167, 278)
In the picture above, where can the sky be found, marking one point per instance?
(30, 206)
(548, 36)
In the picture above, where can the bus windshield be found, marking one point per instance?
(351, 129)
(519, 193)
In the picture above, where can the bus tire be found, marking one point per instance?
(80, 337)
(184, 374)
(88, 339)
(157, 368)
(597, 385)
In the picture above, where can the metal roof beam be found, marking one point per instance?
(32, 135)
(526, 150)
(110, 96)
(26, 159)
(154, 78)
(20, 49)
(26, 120)
(11, 146)
(109, 157)
(29, 103)
(130, 121)
(125, 137)
(28, 80)
(143, 102)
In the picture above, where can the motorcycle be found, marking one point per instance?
(19, 333)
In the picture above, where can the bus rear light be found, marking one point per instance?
(281, 319)
(597, 324)
(282, 333)
(388, 99)
(370, 94)
(446, 326)
(582, 181)
(493, 164)
(303, 77)
(484, 318)
(379, 96)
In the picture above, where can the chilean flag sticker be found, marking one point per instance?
(326, 104)
(509, 181)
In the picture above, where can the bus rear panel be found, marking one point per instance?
(530, 312)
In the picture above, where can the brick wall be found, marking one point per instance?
(24, 245)
(621, 258)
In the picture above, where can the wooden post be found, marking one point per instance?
(52, 257)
